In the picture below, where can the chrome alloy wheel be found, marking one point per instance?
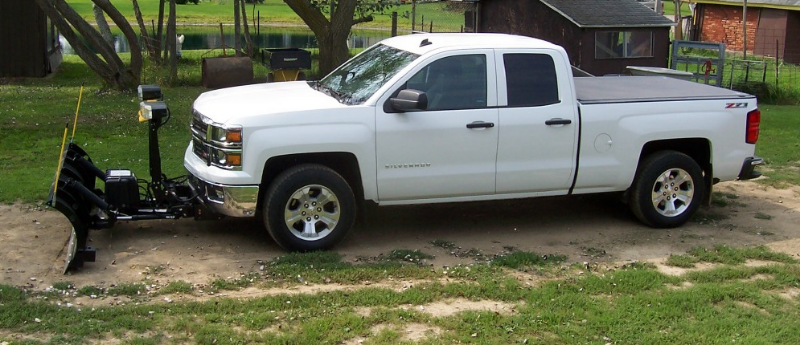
(673, 192)
(312, 212)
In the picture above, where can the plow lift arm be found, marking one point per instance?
(74, 191)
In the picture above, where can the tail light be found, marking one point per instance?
(753, 125)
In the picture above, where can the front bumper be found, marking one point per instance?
(748, 168)
(233, 201)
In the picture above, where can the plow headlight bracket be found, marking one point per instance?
(152, 110)
(149, 92)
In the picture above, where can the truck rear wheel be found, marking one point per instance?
(667, 190)
(309, 207)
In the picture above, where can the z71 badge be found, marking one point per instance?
(735, 105)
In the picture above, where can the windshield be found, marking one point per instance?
(359, 78)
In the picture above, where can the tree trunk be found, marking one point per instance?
(108, 65)
(172, 36)
(169, 37)
(131, 76)
(247, 39)
(331, 34)
(94, 62)
(102, 24)
(332, 52)
(160, 33)
(148, 41)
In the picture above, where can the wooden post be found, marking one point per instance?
(394, 23)
(776, 63)
(413, 15)
(237, 38)
(679, 27)
(744, 31)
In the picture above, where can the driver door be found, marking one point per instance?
(449, 149)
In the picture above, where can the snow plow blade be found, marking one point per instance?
(73, 193)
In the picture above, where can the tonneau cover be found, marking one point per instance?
(626, 89)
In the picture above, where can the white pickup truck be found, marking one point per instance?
(431, 118)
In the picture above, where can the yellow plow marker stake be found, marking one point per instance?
(60, 163)
(77, 109)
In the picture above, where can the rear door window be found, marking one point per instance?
(530, 80)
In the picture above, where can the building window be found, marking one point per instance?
(623, 44)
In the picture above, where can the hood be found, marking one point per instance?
(240, 102)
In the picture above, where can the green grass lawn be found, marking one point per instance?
(271, 12)
(779, 144)
(542, 303)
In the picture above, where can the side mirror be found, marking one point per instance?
(409, 100)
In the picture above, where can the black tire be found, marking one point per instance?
(656, 199)
(295, 220)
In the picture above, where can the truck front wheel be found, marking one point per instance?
(667, 190)
(309, 207)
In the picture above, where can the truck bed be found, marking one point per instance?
(628, 89)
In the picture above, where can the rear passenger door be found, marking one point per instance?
(537, 121)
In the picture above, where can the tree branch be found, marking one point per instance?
(311, 15)
(127, 30)
(363, 20)
(92, 60)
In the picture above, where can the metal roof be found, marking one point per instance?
(608, 13)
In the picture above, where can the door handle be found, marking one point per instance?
(480, 124)
(557, 121)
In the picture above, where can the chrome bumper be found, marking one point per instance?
(233, 201)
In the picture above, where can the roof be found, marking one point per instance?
(440, 41)
(791, 5)
(608, 13)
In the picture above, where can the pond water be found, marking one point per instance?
(207, 38)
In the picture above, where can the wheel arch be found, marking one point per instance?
(699, 149)
(343, 163)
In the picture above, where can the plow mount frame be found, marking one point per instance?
(74, 193)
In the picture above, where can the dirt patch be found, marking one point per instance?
(413, 332)
(790, 294)
(581, 227)
(450, 307)
(705, 266)
(679, 271)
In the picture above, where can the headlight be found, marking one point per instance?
(229, 136)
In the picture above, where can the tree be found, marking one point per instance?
(332, 32)
(108, 65)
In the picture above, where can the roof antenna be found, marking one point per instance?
(425, 42)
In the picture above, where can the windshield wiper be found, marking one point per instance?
(340, 97)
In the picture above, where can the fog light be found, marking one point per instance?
(215, 193)
(234, 159)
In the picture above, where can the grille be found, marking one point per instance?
(199, 131)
